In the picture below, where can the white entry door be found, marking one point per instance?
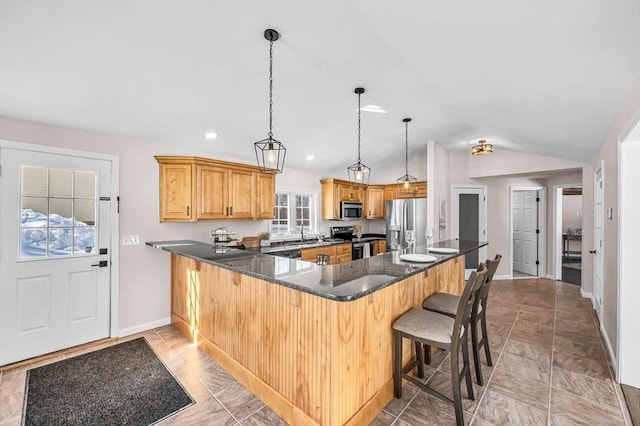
(598, 219)
(55, 252)
(524, 207)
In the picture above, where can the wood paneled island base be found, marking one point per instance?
(312, 360)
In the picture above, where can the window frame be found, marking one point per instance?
(293, 229)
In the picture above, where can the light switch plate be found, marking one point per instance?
(130, 240)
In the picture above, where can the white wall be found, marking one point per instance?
(571, 212)
(609, 155)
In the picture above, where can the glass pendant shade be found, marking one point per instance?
(483, 148)
(407, 181)
(270, 153)
(358, 172)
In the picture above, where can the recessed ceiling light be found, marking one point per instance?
(210, 135)
(373, 108)
(311, 157)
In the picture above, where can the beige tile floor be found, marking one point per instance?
(550, 368)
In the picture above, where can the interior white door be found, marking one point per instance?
(54, 252)
(469, 210)
(598, 223)
(525, 237)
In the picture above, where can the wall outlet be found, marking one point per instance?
(130, 240)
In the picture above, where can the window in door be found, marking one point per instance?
(57, 212)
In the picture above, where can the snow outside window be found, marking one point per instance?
(57, 212)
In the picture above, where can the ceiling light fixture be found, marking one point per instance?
(211, 135)
(358, 172)
(270, 152)
(483, 148)
(407, 181)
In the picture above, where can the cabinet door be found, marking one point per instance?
(266, 184)
(375, 203)
(176, 192)
(212, 192)
(351, 193)
(242, 194)
(390, 192)
(310, 254)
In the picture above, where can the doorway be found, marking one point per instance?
(469, 221)
(528, 243)
(57, 219)
(571, 252)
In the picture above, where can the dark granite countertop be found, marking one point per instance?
(344, 282)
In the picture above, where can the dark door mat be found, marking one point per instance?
(632, 396)
(125, 384)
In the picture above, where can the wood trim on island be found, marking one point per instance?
(312, 360)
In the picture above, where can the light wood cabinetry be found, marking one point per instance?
(374, 202)
(336, 190)
(339, 253)
(373, 197)
(266, 188)
(379, 246)
(219, 190)
(313, 361)
(419, 190)
(176, 192)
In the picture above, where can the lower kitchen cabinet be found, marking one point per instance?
(339, 253)
(379, 246)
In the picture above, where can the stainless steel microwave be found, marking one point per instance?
(350, 210)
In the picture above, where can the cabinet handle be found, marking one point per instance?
(231, 210)
(187, 210)
(227, 211)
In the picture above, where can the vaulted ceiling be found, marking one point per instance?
(544, 77)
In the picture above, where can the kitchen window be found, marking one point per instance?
(294, 210)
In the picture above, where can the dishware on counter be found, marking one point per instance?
(443, 250)
(418, 257)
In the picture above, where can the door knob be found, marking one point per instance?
(593, 251)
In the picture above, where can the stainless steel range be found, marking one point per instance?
(360, 247)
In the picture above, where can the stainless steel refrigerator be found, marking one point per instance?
(402, 215)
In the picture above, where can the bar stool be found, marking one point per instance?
(434, 329)
(446, 304)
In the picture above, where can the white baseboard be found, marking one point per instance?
(144, 327)
(587, 295)
(502, 277)
(614, 361)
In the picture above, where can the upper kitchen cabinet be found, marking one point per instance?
(336, 190)
(393, 191)
(218, 189)
(374, 202)
(176, 192)
(266, 186)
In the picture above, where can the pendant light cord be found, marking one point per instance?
(358, 128)
(406, 148)
(270, 89)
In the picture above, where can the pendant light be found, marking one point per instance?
(270, 152)
(483, 148)
(358, 172)
(407, 181)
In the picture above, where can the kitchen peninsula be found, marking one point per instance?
(313, 342)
